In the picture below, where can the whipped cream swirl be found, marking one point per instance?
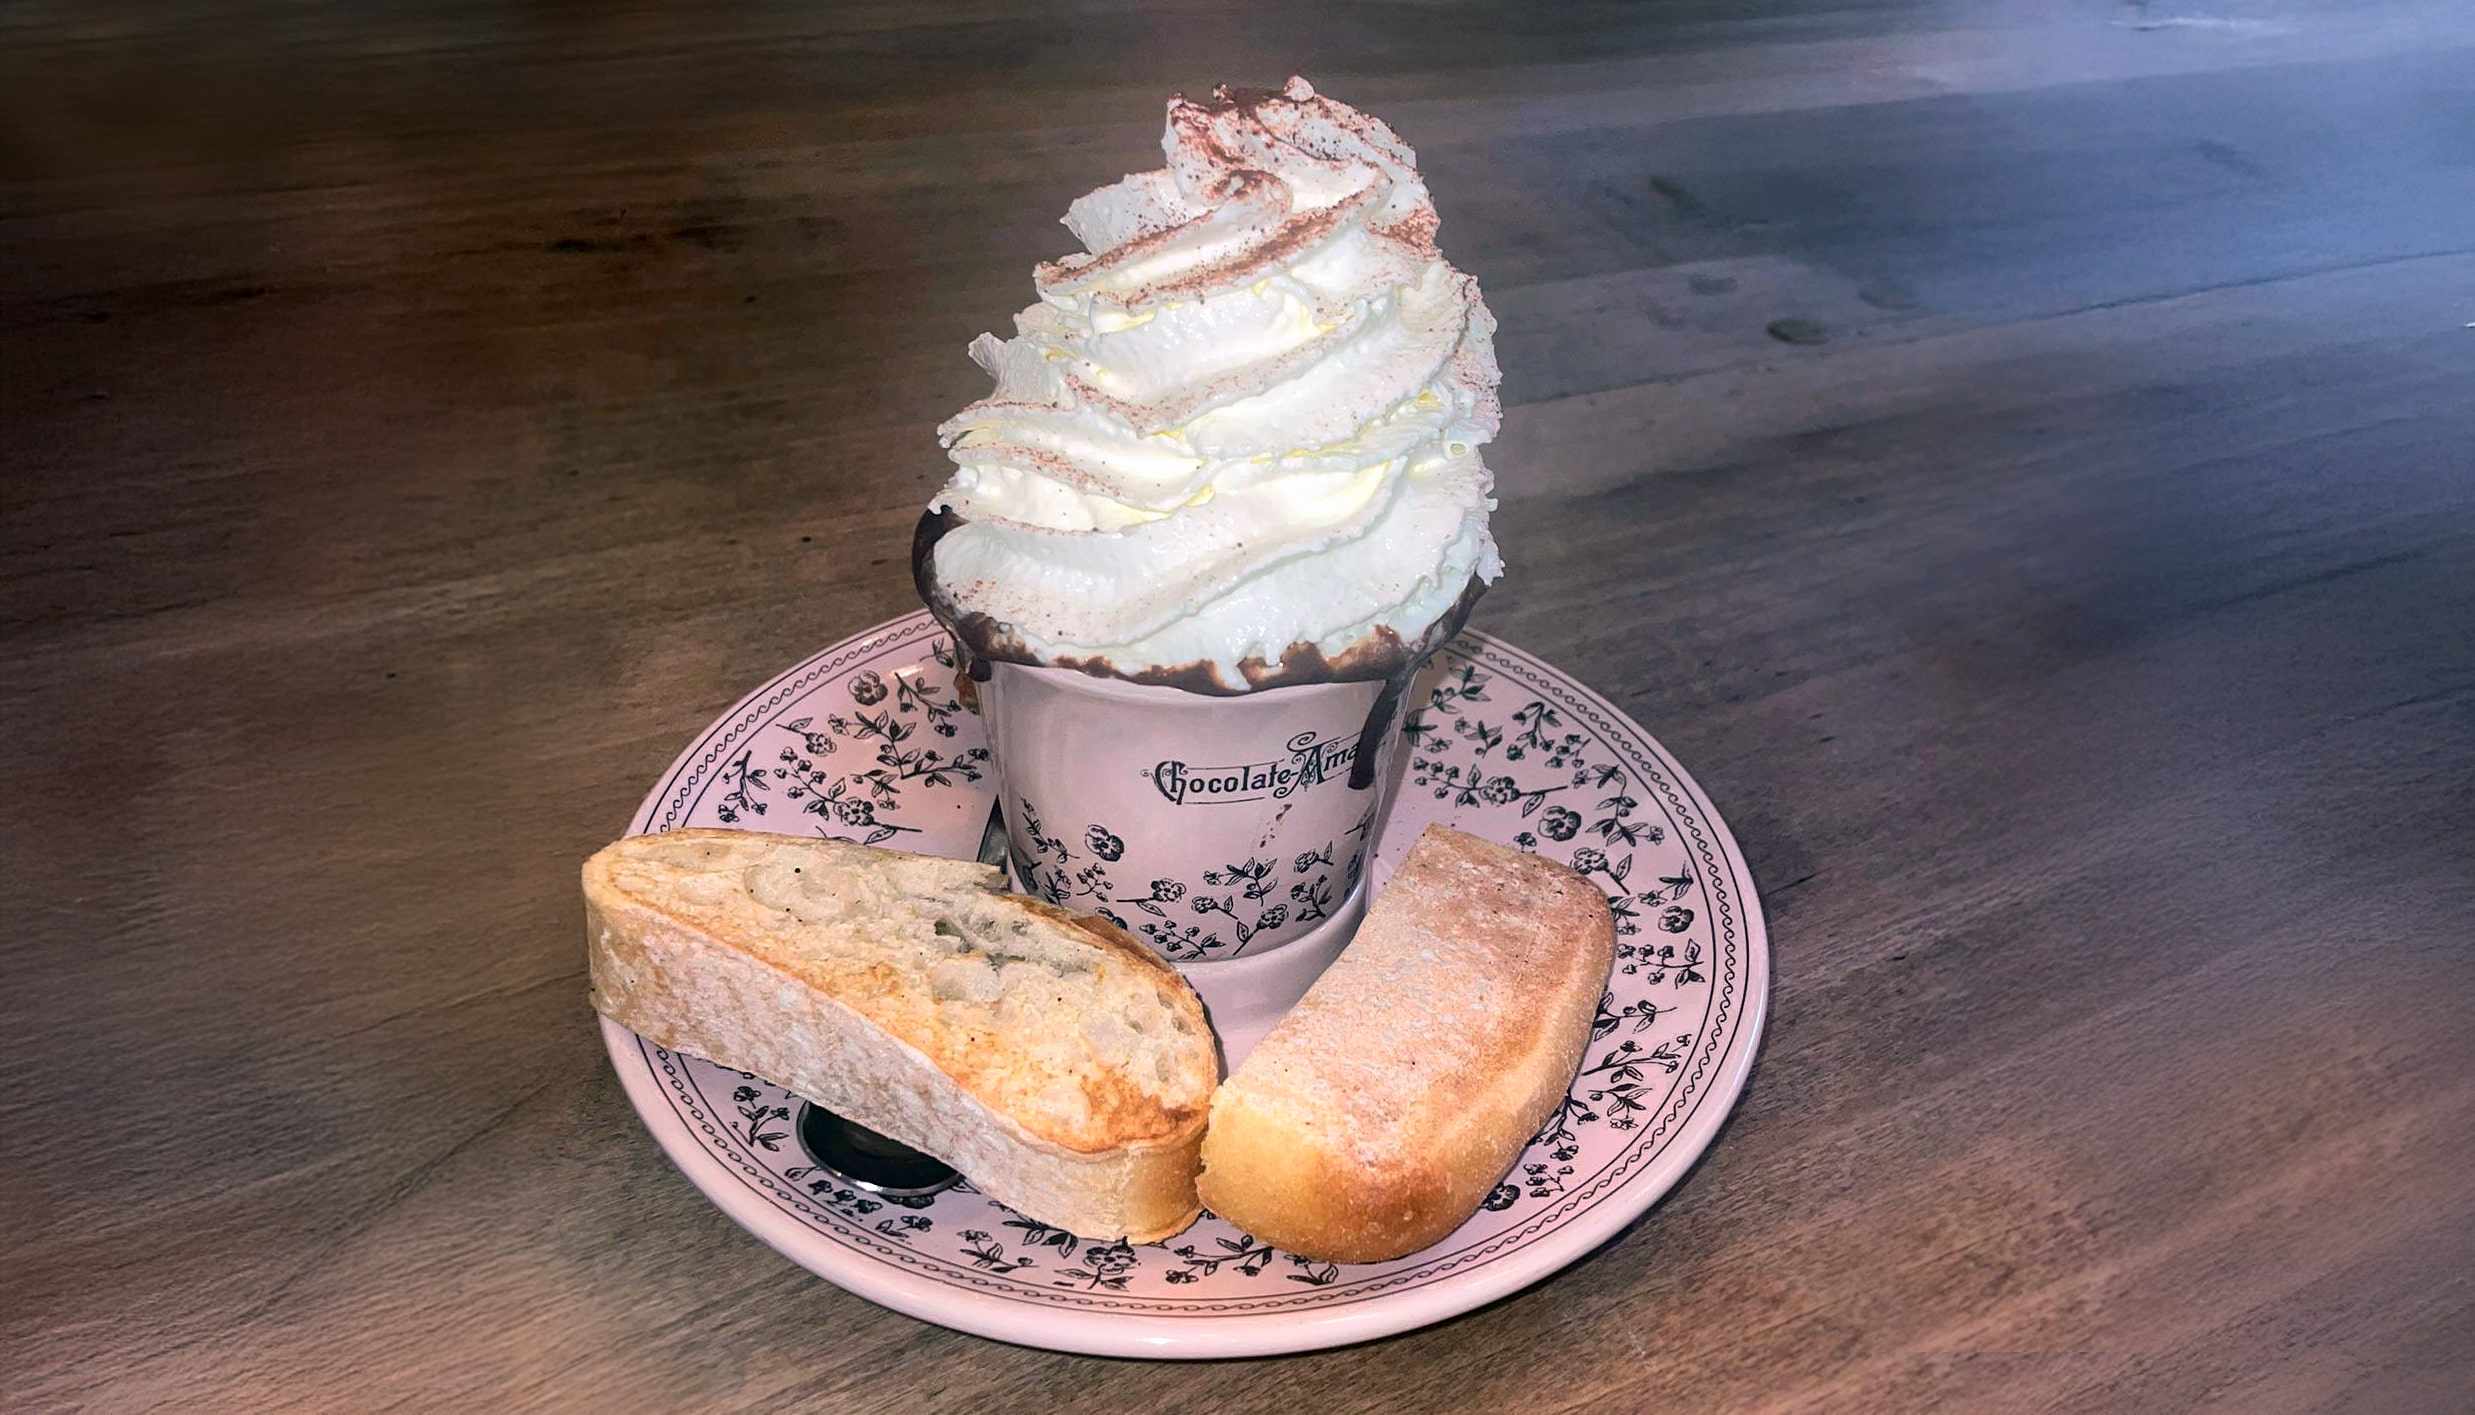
(1238, 435)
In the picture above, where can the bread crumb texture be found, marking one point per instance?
(1370, 1121)
(1450, 980)
(1065, 1023)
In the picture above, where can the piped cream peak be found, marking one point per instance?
(1243, 420)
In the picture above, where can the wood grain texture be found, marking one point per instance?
(2020, 457)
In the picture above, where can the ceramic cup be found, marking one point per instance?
(1219, 830)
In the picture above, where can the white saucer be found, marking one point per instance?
(864, 741)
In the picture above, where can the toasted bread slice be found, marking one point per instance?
(1371, 1120)
(1057, 1063)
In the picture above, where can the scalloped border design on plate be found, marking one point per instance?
(925, 789)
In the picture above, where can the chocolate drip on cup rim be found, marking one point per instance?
(1383, 656)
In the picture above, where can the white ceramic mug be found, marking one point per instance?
(1213, 828)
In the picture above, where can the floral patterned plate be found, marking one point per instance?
(865, 741)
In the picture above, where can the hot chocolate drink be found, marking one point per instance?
(1235, 444)
(1225, 499)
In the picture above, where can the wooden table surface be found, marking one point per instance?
(2019, 456)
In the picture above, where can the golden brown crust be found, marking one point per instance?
(693, 978)
(1373, 1119)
